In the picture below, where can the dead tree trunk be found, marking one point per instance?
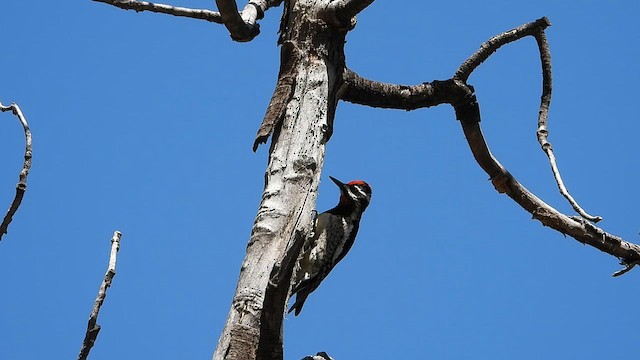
(300, 116)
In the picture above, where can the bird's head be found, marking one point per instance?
(357, 191)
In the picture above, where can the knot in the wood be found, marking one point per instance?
(500, 183)
(304, 164)
(248, 301)
(337, 20)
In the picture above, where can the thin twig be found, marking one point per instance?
(21, 187)
(92, 327)
(202, 14)
(543, 131)
(627, 267)
(243, 25)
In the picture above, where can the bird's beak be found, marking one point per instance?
(340, 184)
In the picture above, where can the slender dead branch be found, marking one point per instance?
(202, 14)
(92, 327)
(493, 44)
(543, 131)
(21, 187)
(468, 112)
(242, 26)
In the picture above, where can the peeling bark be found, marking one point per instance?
(289, 61)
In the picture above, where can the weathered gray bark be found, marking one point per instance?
(300, 116)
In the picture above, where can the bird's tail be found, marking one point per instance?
(301, 296)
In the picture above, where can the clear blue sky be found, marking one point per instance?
(144, 123)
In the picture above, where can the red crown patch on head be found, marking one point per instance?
(358, 182)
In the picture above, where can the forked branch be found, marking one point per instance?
(21, 187)
(461, 96)
(468, 112)
(493, 44)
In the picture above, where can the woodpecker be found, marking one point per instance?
(334, 233)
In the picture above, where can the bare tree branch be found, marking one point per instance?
(493, 44)
(468, 112)
(21, 187)
(242, 26)
(461, 96)
(92, 327)
(202, 14)
(367, 92)
(543, 132)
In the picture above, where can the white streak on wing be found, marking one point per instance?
(306, 266)
(348, 228)
(318, 251)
